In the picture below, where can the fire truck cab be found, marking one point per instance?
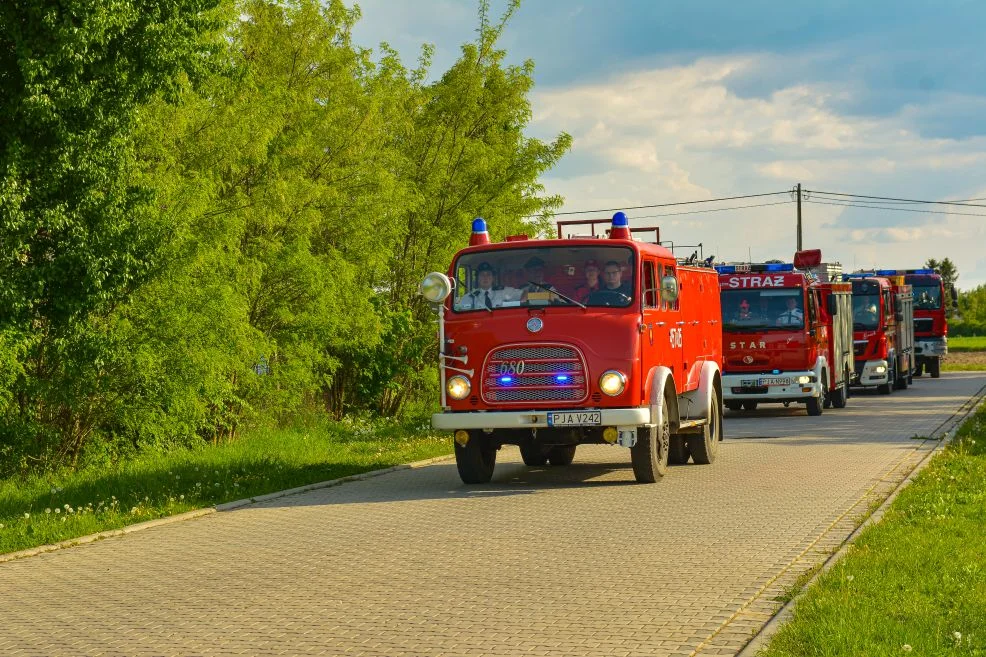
(552, 343)
(787, 334)
(883, 330)
(930, 321)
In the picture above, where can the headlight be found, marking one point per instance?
(804, 380)
(458, 387)
(612, 382)
(435, 287)
(880, 369)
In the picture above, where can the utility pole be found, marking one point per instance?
(799, 216)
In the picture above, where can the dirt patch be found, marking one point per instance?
(966, 360)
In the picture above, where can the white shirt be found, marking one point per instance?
(793, 317)
(477, 298)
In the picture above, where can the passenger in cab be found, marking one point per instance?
(591, 271)
(614, 292)
(536, 287)
(792, 315)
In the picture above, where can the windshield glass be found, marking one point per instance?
(567, 276)
(865, 312)
(927, 297)
(763, 310)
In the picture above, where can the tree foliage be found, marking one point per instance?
(218, 215)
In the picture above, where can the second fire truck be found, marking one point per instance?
(787, 334)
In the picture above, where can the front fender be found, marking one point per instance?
(657, 381)
(821, 365)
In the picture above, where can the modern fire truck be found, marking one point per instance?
(883, 331)
(552, 343)
(787, 334)
(930, 322)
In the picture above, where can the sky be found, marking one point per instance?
(683, 101)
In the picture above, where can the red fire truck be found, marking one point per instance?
(552, 343)
(883, 331)
(787, 334)
(930, 322)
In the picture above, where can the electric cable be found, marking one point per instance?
(663, 205)
(889, 198)
(873, 207)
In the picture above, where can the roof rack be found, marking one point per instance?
(605, 233)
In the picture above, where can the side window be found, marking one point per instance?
(812, 305)
(669, 304)
(650, 286)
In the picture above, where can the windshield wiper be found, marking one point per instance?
(557, 293)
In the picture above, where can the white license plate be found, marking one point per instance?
(775, 381)
(575, 419)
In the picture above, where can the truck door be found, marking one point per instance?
(660, 338)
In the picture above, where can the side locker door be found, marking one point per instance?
(674, 331)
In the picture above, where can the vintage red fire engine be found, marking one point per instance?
(930, 321)
(787, 334)
(883, 330)
(552, 343)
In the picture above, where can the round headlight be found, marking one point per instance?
(612, 382)
(804, 380)
(435, 287)
(458, 387)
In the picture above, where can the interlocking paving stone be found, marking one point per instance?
(568, 561)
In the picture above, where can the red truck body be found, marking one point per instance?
(930, 320)
(883, 331)
(539, 352)
(787, 337)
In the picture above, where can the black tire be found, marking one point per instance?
(919, 369)
(476, 460)
(841, 395)
(750, 405)
(562, 454)
(901, 382)
(704, 447)
(814, 406)
(934, 368)
(649, 456)
(534, 455)
(910, 372)
(678, 453)
(734, 405)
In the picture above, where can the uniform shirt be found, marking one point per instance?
(492, 298)
(793, 317)
(582, 292)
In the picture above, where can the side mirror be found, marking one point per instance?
(899, 316)
(955, 296)
(831, 306)
(669, 288)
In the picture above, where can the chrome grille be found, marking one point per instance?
(534, 373)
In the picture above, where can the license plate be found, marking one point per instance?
(775, 381)
(575, 419)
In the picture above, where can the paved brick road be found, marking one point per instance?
(569, 561)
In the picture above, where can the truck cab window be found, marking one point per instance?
(650, 289)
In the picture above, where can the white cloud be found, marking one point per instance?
(680, 134)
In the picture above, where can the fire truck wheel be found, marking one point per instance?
(934, 368)
(919, 369)
(841, 395)
(814, 406)
(476, 460)
(910, 374)
(704, 447)
(734, 405)
(678, 453)
(562, 454)
(649, 456)
(750, 405)
(533, 454)
(888, 387)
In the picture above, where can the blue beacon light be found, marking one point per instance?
(561, 378)
(506, 379)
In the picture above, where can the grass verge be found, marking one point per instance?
(915, 582)
(41, 510)
(967, 343)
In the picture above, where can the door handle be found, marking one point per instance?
(679, 323)
(658, 324)
(696, 323)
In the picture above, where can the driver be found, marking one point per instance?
(613, 290)
(744, 311)
(866, 314)
(792, 315)
(485, 295)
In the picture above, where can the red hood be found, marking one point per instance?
(768, 350)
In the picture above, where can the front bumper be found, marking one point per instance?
(867, 375)
(611, 417)
(733, 387)
(931, 348)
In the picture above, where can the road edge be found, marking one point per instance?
(218, 508)
(771, 627)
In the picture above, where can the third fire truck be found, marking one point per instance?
(883, 331)
(930, 321)
(787, 334)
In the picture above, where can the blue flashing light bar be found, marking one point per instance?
(725, 269)
(758, 268)
(887, 272)
(775, 266)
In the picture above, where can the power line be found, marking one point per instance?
(899, 200)
(879, 207)
(736, 207)
(665, 205)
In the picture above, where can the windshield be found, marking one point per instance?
(927, 297)
(865, 312)
(554, 275)
(763, 310)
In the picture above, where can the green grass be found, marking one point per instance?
(960, 344)
(914, 583)
(40, 510)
